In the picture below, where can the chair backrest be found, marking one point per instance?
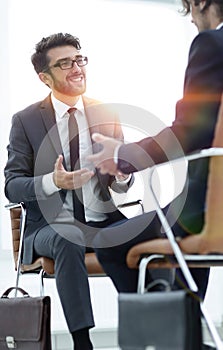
(214, 198)
(15, 215)
(210, 239)
(94, 268)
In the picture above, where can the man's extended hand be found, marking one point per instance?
(104, 160)
(70, 180)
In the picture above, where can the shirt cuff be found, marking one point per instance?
(125, 181)
(115, 156)
(48, 184)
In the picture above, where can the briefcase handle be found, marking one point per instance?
(159, 285)
(9, 290)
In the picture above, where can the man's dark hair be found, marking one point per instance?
(218, 3)
(40, 60)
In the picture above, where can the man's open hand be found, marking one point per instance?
(70, 180)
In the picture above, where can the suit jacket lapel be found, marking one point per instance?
(49, 120)
(91, 114)
(95, 119)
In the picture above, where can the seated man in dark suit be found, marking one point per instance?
(67, 200)
(193, 128)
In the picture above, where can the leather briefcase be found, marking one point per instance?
(159, 321)
(24, 322)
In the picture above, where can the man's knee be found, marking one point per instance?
(67, 247)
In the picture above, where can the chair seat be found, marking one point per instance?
(91, 261)
(138, 252)
(93, 266)
(41, 263)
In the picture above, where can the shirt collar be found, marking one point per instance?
(220, 25)
(61, 108)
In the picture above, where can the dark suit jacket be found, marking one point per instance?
(33, 148)
(192, 129)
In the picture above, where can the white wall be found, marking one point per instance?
(137, 55)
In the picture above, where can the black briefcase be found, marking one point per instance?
(159, 321)
(24, 322)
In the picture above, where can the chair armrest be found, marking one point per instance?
(208, 152)
(130, 204)
(15, 205)
(12, 206)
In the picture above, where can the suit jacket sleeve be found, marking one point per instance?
(196, 112)
(20, 182)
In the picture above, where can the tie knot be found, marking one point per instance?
(72, 110)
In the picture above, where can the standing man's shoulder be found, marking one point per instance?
(206, 52)
(208, 40)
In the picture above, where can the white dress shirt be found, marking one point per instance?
(93, 204)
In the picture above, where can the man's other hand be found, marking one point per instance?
(104, 160)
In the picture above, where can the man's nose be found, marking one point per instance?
(76, 67)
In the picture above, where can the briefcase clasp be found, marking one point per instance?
(11, 344)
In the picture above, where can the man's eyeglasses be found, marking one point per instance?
(68, 63)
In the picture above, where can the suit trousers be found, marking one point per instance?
(113, 243)
(58, 243)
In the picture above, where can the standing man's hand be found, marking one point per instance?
(104, 160)
(70, 180)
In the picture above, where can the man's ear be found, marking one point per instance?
(44, 77)
(202, 4)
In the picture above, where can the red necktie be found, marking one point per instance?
(75, 164)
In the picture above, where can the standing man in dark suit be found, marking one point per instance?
(66, 203)
(193, 128)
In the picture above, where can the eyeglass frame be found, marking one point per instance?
(66, 60)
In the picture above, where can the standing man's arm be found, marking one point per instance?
(195, 120)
